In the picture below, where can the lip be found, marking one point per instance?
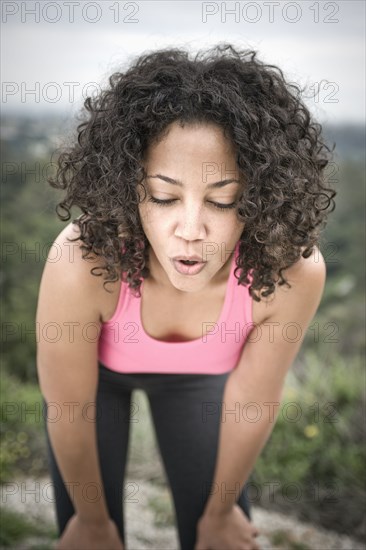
(188, 269)
(190, 258)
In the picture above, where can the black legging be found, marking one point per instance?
(185, 410)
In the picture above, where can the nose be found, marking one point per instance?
(190, 224)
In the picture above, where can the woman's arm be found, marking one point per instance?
(253, 390)
(68, 320)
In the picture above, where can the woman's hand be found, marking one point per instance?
(231, 530)
(78, 534)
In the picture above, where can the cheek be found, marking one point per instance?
(232, 229)
(145, 214)
(238, 223)
(154, 225)
(229, 223)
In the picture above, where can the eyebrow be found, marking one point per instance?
(217, 184)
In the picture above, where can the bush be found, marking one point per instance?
(15, 528)
(23, 447)
(314, 460)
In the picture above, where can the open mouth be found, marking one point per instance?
(189, 267)
(188, 262)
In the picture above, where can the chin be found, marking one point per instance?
(190, 284)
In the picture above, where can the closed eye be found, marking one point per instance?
(167, 202)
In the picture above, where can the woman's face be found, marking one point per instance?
(196, 156)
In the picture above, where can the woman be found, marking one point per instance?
(192, 273)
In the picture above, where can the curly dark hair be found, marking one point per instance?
(280, 154)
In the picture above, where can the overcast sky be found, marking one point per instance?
(57, 48)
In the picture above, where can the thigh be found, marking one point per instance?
(186, 411)
(112, 429)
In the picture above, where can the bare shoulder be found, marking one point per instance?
(71, 260)
(307, 279)
(70, 275)
(308, 270)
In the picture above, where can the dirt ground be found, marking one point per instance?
(150, 523)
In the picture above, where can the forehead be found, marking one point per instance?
(201, 150)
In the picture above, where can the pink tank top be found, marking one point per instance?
(125, 347)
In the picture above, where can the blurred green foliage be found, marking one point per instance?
(23, 445)
(317, 449)
(319, 428)
(15, 528)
